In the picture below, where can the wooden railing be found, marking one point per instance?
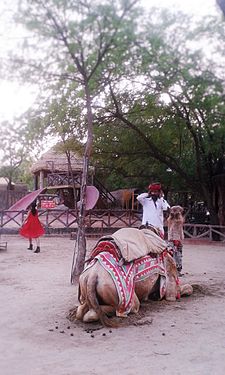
(203, 231)
(107, 220)
(68, 218)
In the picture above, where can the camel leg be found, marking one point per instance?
(81, 311)
(186, 290)
(92, 316)
(135, 304)
(171, 278)
(171, 289)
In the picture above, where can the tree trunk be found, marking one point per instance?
(80, 244)
(216, 204)
(70, 170)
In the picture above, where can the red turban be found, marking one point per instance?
(155, 187)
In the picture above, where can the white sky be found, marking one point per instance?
(195, 7)
(15, 99)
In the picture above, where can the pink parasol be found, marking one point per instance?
(92, 195)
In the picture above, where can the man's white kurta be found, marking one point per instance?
(153, 211)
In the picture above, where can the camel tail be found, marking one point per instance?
(94, 304)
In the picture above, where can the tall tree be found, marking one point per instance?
(176, 113)
(81, 42)
(156, 87)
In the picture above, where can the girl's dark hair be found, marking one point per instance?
(33, 208)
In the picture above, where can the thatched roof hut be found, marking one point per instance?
(55, 161)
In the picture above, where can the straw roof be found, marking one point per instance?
(56, 161)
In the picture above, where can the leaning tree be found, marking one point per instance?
(81, 42)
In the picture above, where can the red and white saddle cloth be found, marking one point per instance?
(124, 276)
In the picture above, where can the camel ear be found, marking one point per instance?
(186, 290)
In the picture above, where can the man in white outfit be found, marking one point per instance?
(153, 206)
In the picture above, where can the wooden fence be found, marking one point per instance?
(9, 197)
(99, 221)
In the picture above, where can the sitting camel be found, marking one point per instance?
(110, 285)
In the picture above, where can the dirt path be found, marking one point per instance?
(36, 338)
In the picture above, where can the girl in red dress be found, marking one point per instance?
(32, 228)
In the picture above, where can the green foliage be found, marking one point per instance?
(174, 118)
(79, 48)
(15, 156)
(144, 80)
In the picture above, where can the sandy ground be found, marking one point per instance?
(36, 338)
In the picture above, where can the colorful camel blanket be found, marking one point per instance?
(109, 247)
(125, 275)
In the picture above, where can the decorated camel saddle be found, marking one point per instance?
(132, 243)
